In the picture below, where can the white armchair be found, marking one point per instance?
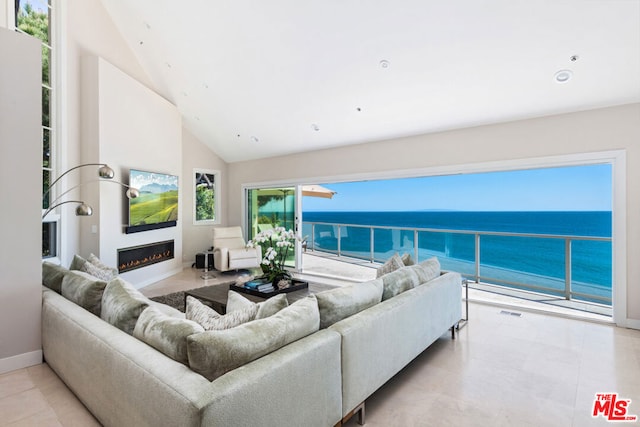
(230, 252)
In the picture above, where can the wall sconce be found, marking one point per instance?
(104, 172)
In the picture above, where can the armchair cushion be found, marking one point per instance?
(230, 251)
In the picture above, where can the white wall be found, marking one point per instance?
(87, 30)
(127, 126)
(3, 13)
(20, 184)
(196, 155)
(616, 128)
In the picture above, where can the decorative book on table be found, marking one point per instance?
(259, 285)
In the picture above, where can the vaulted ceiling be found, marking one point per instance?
(255, 79)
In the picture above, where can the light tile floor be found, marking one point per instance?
(502, 370)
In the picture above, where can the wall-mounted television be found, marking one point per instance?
(157, 205)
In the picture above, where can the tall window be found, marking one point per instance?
(34, 17)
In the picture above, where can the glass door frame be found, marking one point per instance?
(247, 222)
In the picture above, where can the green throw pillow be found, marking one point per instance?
(214, 353)
(427, 270)
(77, 262)
(340, 303)
(392, 264)
(52, 275)
(84, 290)
(399, 281)
(166, 333)
(122, 305)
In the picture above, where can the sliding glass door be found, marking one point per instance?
(268, 208)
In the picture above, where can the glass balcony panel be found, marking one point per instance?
(325, 237)
(455, 251)
(535, 261)
(589, 277)
(355, 242)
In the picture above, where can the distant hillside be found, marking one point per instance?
(157, 188)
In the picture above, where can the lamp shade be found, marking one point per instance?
(106, 172)
(84, 210)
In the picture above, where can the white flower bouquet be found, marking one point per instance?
(275, 244)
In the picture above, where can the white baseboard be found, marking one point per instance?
(631, 323)
(20, 361)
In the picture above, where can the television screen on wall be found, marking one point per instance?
(157, 205)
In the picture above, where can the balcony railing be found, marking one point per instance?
(570, 267)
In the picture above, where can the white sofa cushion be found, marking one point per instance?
(214, 353)
(211, 320)
(266, 308)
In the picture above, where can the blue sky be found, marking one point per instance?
(581, 188)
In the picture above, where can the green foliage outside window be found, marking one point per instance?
(205, 203)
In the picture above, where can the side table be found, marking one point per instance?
(206, 274)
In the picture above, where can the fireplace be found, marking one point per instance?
(144, 255)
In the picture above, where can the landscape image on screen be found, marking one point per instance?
(158, 200)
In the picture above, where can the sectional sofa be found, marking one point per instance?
(352, 340)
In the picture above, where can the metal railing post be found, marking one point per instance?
(313, 236)
(415, 245)
(477, 257)
(339, 239)
(372, 240)
(567, 269)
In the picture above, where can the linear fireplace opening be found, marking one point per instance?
(144, 255)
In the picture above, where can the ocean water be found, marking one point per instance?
(521, 260)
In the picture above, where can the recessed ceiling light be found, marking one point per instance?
(563, 76)
(315, 127)
(384, 63)
(255, 139)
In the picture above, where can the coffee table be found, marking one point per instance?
(216, 295)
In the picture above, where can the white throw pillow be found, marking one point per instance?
(211, 320)
(266, 308)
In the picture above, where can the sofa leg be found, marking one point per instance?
(357, 410)
(453, 332)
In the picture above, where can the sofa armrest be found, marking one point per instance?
(379, 341)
